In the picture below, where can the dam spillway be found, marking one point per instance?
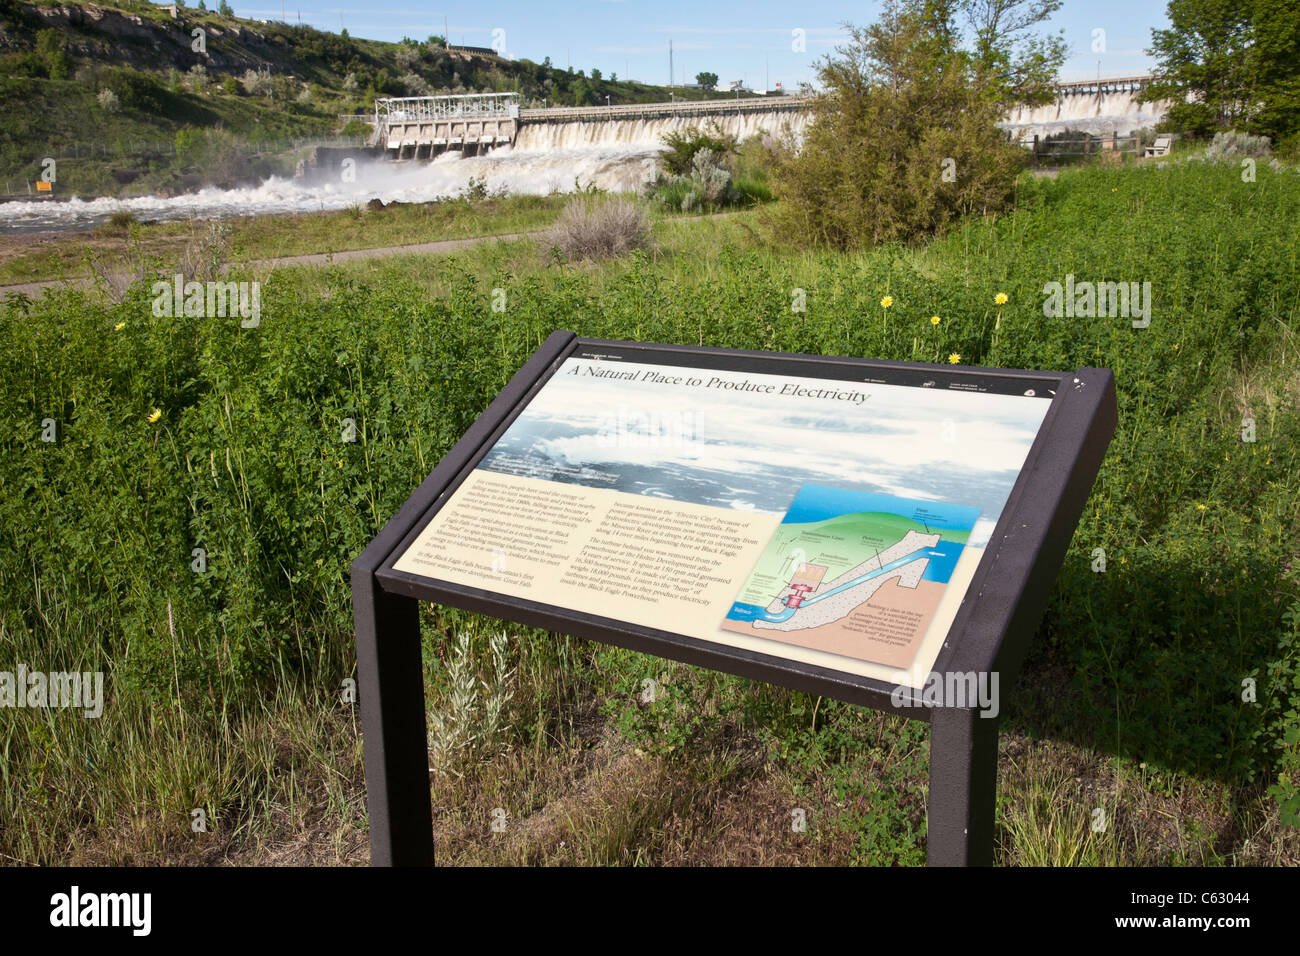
(425, 127)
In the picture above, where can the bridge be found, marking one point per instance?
(419, 127)
(718, 107)
(1105, 84)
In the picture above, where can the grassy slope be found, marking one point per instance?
(1131, 699)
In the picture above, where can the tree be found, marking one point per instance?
(904, 139)
(595, 75)
(1276, 64)
(1227, 64)
(707, 80)
(580, 92)
(225, 9)
(1011, 62)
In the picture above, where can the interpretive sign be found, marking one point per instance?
(885, 533)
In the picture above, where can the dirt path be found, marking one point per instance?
(315, 259)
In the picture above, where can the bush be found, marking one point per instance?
(681, 147)
(594, 228)
(903, 141)
(713, 178)
(753, 192)
(118, 223)
(415, 85)
(711, 182)
(1231, 147)
(672, 193)
(134, 90)
(256, 83)
(108, 100)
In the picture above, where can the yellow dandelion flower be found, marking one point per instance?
(934, 320)
(1200, 507)
(954, 358)
(119, 327)
(1000, 298)
(887, 301)
(155, 415)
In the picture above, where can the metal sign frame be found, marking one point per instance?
(991, 632)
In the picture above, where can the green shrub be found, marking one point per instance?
(902, 143)
(134, 90)
(752, 192)
(681, 146)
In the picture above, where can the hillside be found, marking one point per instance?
(105, 89)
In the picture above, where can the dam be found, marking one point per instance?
(471, 125)
(425, 149)
(423, 127)
(1100, 107)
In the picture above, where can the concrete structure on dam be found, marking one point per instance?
(419, 127)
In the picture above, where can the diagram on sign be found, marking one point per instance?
(854, 573)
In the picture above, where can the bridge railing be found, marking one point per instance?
(749, 104)
(407, 109)
(1105, 84)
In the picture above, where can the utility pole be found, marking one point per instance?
(670, 62)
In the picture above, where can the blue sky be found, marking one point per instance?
(749, 40)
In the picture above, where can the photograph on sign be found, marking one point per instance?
(837, 522)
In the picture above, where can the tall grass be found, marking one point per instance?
(248, 462)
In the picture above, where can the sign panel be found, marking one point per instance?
(834, 516)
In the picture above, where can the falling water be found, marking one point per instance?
(616, 155)
(1096, 113)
